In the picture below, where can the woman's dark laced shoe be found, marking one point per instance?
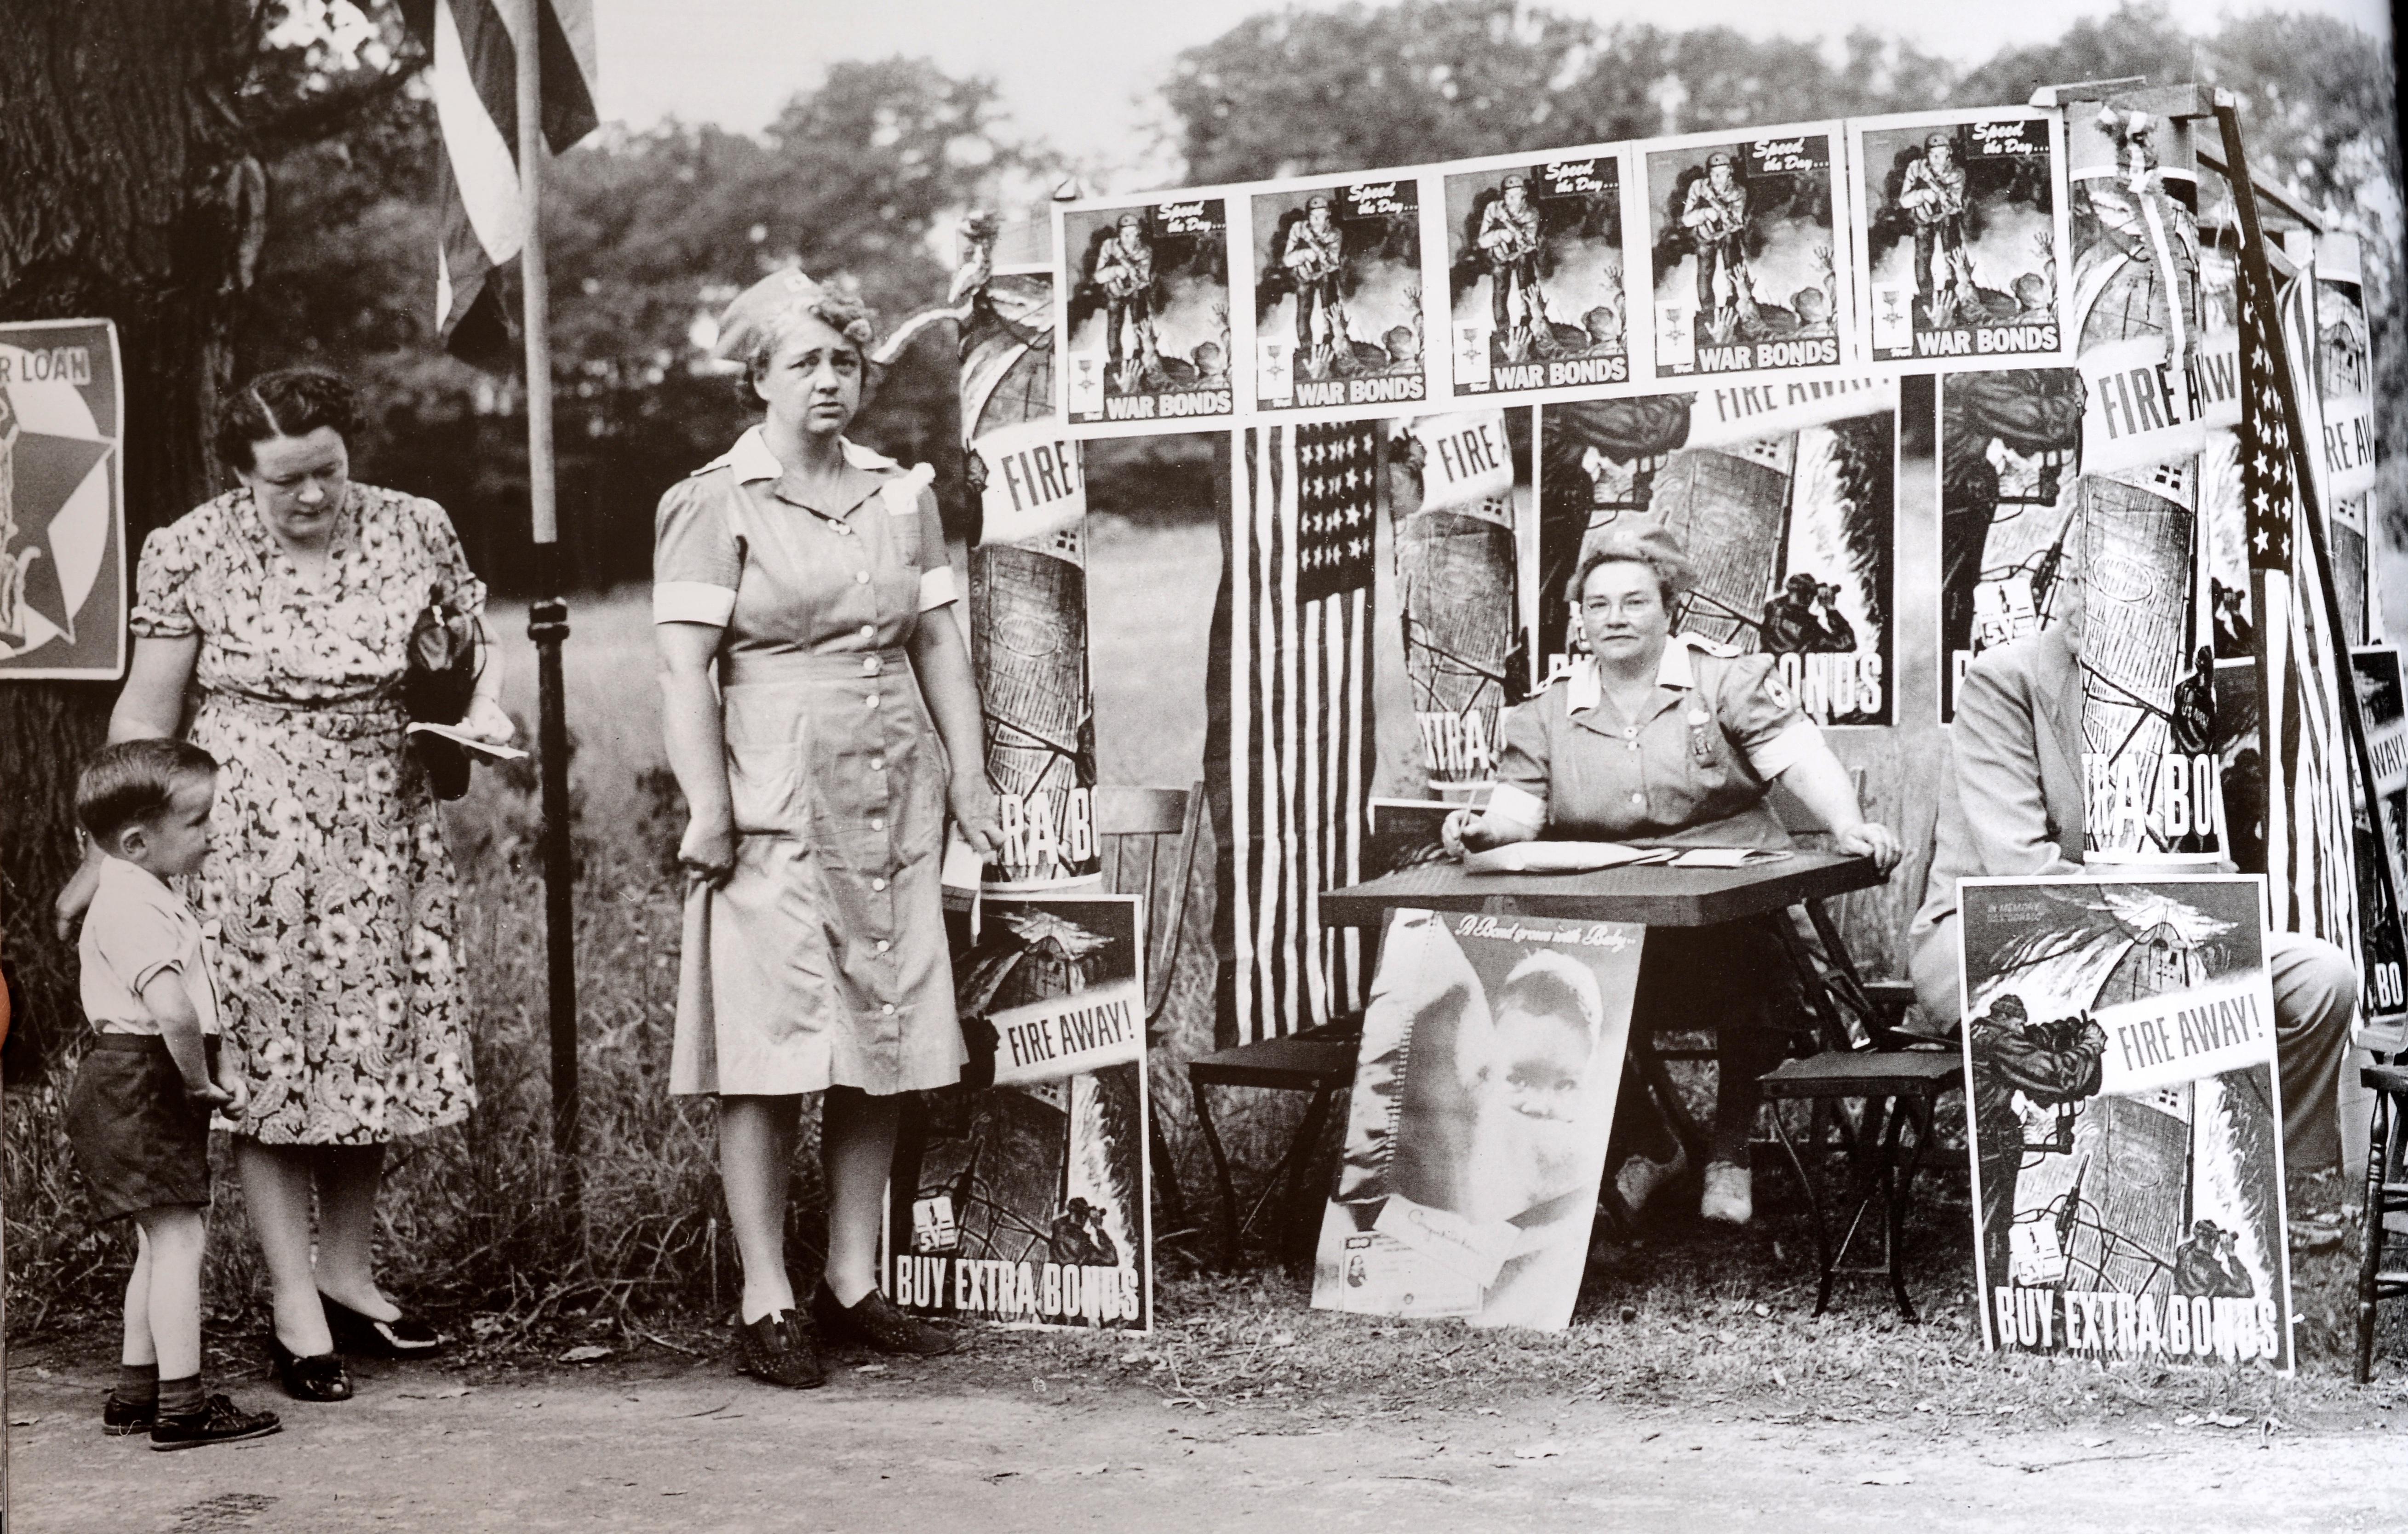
(873, 1319)
(218, 1421)
(365, 1337)
(312, 1377)
(780, 1348)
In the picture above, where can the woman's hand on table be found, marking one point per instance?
(1450, 831)
(1869, 839)
(486, 721)
(971, 802)
(708, 850)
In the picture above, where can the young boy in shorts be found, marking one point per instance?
(138, 1114)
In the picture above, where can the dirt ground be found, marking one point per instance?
(976, 1442)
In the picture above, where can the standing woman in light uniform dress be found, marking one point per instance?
(819, 766)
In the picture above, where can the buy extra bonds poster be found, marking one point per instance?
(1027, 1202)
(1960, 235)
(1537, 274)
(1146, 320)
(1476, 1133)
(62, 502)
(1748, 251)
(1785, 497)
(1338, 307)
(2126, 1120)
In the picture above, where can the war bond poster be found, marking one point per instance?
(1028, 1203)
(1747, 261)
(1145, 316)
(1484, 1096)
(1337, 295)
(1960, 234)
(62, 552)
(2126, 1120)
(1537, 254)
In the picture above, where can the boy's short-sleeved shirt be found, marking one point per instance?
(135, 927)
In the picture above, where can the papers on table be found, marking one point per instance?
(1587, 856)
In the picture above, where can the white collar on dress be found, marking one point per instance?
(1585, 691)
(752, 459)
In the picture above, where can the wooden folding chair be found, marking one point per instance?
(1149, 838)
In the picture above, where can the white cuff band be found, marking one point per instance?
(936, 588)
(1510, 807)
(1797, 739)
(692, 602)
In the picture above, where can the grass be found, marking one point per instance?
(473, 1232)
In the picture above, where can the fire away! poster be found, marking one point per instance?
(2126, 1120)
(1029, 1204)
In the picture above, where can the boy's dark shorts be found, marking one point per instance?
(139, 1141)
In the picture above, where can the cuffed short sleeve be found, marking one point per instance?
(1524, 769)
(1761, 716)
(937, 583)
(461, 586)
(135, 938)
(170, 559)
(696, 560)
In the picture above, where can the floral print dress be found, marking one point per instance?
(328, 896)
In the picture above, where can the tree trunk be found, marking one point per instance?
(115, 170)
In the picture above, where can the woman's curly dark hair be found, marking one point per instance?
(289, 402)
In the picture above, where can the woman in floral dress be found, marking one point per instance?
(289, 602)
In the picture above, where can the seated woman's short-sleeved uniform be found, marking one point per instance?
(822, 961)
(1717, 730)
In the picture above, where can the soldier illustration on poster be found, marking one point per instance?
(2008, 445)
(63, 557)
(1146, 313)
(1337, 295)
(1536, 275)
(1028, 1203)
(2126, 1121)
(1961, 231)
(1746, 265)
(1789, 516)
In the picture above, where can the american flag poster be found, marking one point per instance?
(1291, 739)
(2311, 802)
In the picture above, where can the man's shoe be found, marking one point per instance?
(780, 1348)
(873, 1319)
(1638, 1178)
(218, 1421)
(1729, 1194)
(119, 1418)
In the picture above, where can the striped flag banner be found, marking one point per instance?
(1291, 724)
(2311, 873)
(474, 45)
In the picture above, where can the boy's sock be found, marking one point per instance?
(137, 1385)
(178, 1397)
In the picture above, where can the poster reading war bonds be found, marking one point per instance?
(1535, 275)
(1484, 1096)
(1747, 263)
(1784, 495)
(2008, 447)
(2126, 1120)
(62, 502)
(1337, 295)
(1146, 313)
(1960, 229)
(1029, 1204)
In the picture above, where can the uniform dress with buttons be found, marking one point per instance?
(1692, 768)
(821, 960)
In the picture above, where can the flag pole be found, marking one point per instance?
(547, 624)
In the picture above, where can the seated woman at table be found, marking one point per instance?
(1655, 736)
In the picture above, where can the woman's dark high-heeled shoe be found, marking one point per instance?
(314, 1377)
(364, 1337)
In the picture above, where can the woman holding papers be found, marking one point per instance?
(289, 602)
(823, 722)
(1657, 736)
